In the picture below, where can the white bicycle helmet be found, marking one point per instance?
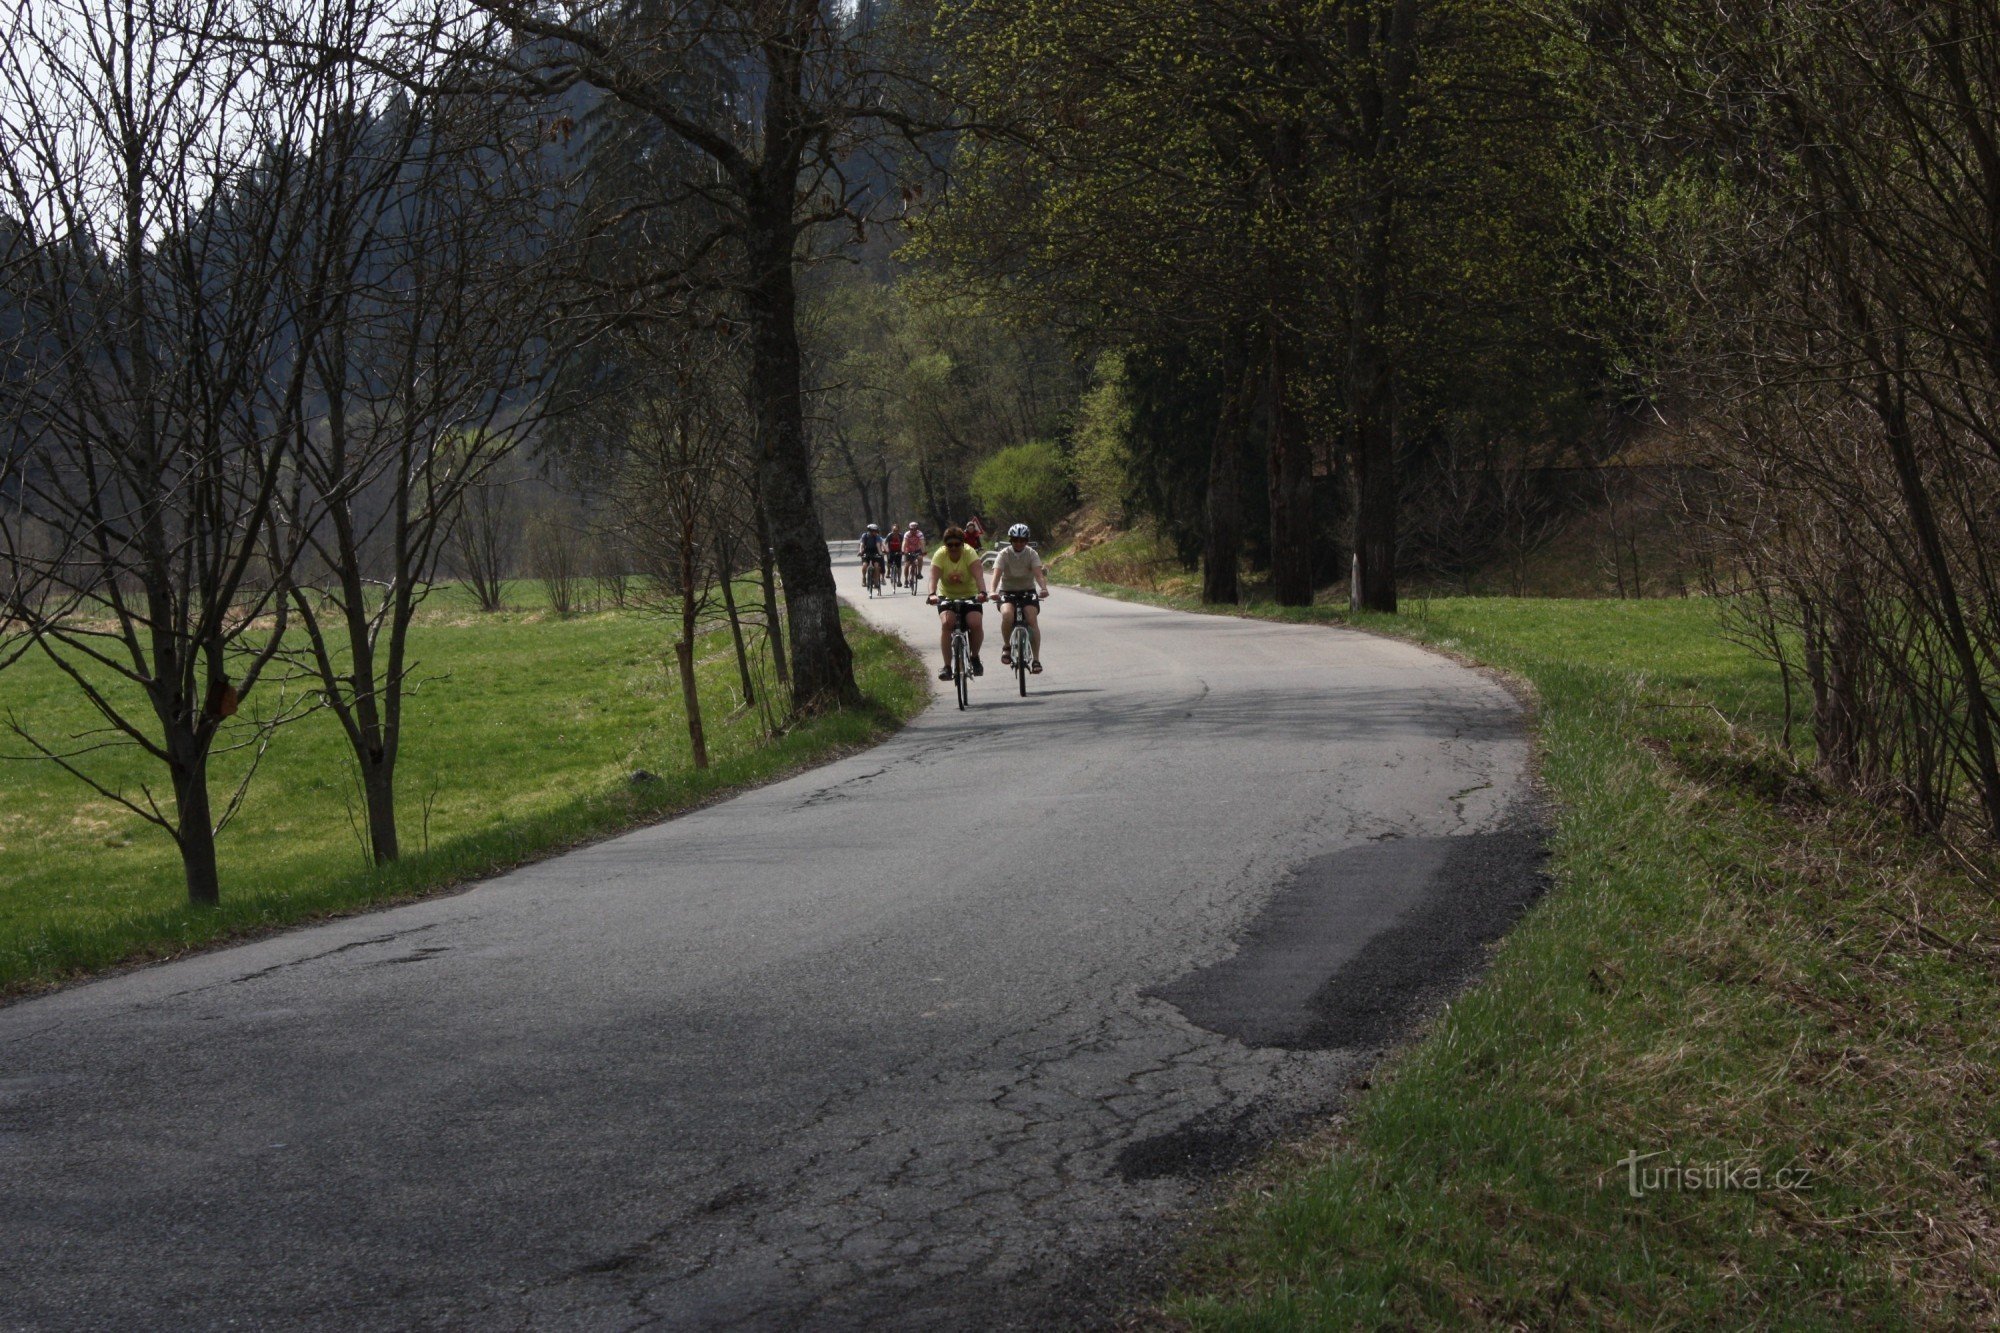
(873, 528)
(1018, 530)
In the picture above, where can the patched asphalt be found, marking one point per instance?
(958, 1032)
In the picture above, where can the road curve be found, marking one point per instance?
(946, 1034)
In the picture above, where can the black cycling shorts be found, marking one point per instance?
(965, 606)
(1029, 598)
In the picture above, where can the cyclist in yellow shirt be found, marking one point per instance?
(957, 575)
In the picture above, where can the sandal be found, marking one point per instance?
(1035, 669)
(1006, 657)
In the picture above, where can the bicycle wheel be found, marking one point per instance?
(1021, 650)
(961, 668)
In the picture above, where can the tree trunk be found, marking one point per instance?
(1290, 486)
(1837, 712)
(822, 674)
(1222, 547)
(1917, 504)
(1377, 497)
(935, 521)
(1385, 41)
(767, 571)
(378, 783)
(691, 698)
(736, 625)
(195, 827)
(1371, 431)
(854, 476)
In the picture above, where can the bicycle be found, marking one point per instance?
(961, 644)
(871, 574)
(913, 568)
(1021, 643)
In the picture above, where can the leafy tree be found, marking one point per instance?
(1339, 202)
(1103, 463)
(1027, 483)
(920, 384)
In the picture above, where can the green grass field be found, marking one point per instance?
(1734, 969)
(521, 736)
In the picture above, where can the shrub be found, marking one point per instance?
(1025, 483)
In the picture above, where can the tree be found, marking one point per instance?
(916, 383)
(1839, 349)
(765, 101)
(675, 499)
(1301, 200)
(1102, 462)
(484, 525)
(431, 370)
(164, 187)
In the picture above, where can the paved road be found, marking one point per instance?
(948, 1034)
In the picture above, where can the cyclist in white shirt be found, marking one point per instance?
(1020, 582)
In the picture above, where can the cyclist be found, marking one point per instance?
(894, 546)
(913, 552)
(1017, 575)
(957, 576)
(872, 546)
(975, 535)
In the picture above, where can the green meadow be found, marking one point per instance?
(523, 732)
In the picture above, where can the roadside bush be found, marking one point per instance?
(1027, 483)
(555, 557)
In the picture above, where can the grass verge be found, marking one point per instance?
(1738, 974)
(522, 737)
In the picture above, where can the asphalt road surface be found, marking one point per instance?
(956, 1033)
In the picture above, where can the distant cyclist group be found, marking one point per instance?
(958, 586)
(891, 559)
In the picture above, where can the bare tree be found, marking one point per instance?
(484, 532)
(429, 374)
(556, 559)
(611, 565)
(1841, 347)
(30, 551)
(163, 185)
(671, 486)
